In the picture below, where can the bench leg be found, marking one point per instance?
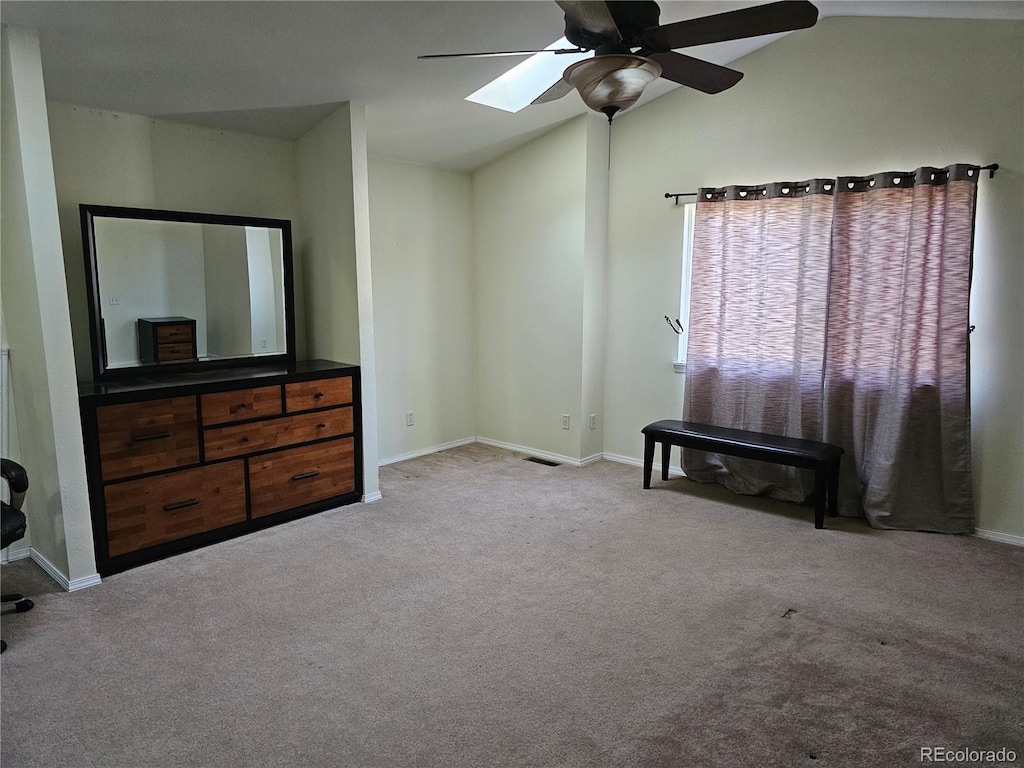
(821, 478)
(648, 459)
(666, 458)
(833, 488)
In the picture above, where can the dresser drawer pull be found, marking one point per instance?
(154, 436)
(318, 395)
(305, 475)
(180, 505)
(236, 408)
(321, 425)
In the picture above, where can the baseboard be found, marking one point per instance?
(619, 459)
(368, 497)
(425, 452)
(70, 585)
(557, 457)
(11, 554)
(521, 449)
(672, 471)
(1006, 538)
(84, 582)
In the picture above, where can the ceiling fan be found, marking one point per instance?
(631, 49)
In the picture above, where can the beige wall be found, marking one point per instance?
(111, 158)
(595, 299)
(327, 247)
(333, 183)
(528, 225)
(848, 97)
(37, 324)
(422, 240)
(490, 297)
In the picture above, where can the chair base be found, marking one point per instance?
(21, 604)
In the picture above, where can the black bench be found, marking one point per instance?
(823, 458)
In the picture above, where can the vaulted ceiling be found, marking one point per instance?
(275, 68)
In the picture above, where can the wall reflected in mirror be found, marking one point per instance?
(225, 281)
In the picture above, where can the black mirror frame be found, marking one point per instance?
(100, 370)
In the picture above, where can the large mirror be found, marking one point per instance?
(169, 288)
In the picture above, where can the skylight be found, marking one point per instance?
(527, 80)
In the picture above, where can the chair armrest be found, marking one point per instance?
(15, 475)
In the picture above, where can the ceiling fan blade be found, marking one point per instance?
(556, 91)
(591, 15)
(490, 54)
(695, 73)
(767, 19)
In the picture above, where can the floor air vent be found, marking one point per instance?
(545, 462)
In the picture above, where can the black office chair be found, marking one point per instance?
(13, 525)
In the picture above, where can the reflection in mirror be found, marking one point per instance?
(169, 290)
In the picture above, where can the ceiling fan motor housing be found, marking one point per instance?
(631, 17)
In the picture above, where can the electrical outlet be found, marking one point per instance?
(263, 343)
(410, 418)
(593, 421)
(565, 421)
(115, 300)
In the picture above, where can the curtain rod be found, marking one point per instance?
(990, 168)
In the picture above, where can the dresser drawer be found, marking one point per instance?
(162, 508)
(168, 353)
(322, 393)
(240, 404)
(287, 479)
(240, 439)
(174, 332)
(149, 436)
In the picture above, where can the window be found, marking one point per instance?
(689, 214)
(527, 80)
(837, 310)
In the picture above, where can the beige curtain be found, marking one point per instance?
(758, 297)
(837, 310)
(896, 378)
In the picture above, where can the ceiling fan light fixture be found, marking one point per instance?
(612, 82)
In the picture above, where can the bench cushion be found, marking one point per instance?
(743, 443)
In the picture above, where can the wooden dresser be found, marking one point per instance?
(179, 461)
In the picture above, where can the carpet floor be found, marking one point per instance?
(491, 611)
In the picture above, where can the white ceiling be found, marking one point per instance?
(275, 68)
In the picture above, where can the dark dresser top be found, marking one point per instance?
(159, 383)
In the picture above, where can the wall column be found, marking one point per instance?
(334, 262)
(38, 325)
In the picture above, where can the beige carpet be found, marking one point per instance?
(490, 611)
